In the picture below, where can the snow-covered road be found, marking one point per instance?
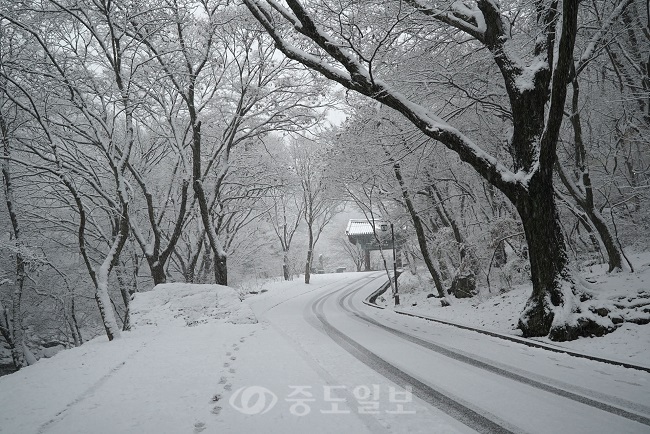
(319, 361)
(460, 380)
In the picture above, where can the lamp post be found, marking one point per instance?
(396, 295)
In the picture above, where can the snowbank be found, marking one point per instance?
(187, 304)
(499, 312)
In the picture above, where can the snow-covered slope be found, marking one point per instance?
(159, 377)
(499, 312)
(189, 304)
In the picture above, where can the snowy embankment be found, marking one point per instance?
(183, 338)
(499, 312)
(189, 304)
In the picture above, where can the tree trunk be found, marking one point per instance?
(582, 193)
(547, 256)
(554, 289)
(157, 271)
(15, 323)
(310, 253)
(446, 219)
(590, 218)
(79, 340)
(390, 280)
(221, 270)
(156, 259)
(585, 223)
(103, 273)
(15, 347)
(5, 330)
(285, 265)
(126, 298)
(613, 252)
(101, 292)
(18, 353)
(419, 231)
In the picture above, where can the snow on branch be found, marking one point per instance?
(358, 78)
(287, 14)
(263, 15)
(597, 39)
(461, 16)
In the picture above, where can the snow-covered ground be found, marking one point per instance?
(158, 378)
(196, 361)
(500, 312)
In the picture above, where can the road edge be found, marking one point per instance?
(372, 298)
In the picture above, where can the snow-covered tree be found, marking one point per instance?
(358, 45)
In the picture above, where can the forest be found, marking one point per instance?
(210, 141)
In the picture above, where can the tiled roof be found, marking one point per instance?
(360, 227)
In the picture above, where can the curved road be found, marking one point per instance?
(460, 379)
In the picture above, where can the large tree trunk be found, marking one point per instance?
(547, 256)
(552, 307)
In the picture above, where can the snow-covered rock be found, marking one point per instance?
(188, 304)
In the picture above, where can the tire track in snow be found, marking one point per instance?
(481, 421)
(87, 393)
(310, 291)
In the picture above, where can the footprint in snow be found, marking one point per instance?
(198, 427)
(226, 364)
(228, 353)
(232, 370)
(216, 410)
(227, 387)
(223, 380)
(233, 358)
